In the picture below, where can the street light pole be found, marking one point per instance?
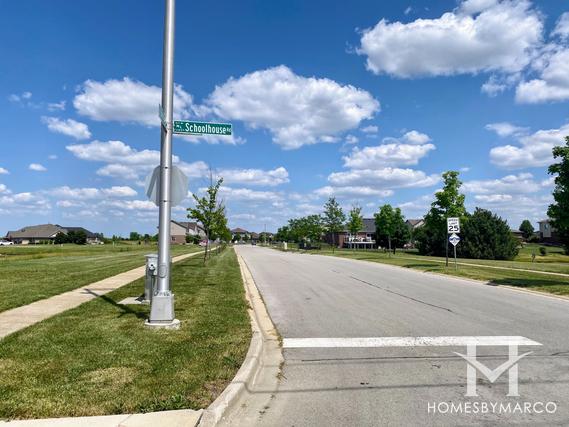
(162, 306)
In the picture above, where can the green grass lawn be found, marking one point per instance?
(99, 358)
(525, 279)
(31, 273)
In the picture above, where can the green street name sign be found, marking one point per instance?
(199, 128)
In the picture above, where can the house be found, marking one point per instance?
(239, 233)
(45, 233)
(546, 232)
(180, 229)
(365, 238)
(413, 224)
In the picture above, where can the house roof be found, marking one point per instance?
(239, 230)
(414, 222)
(88, 233)
(42, 231)
(45, 231)
(368, 226)
(543, 221)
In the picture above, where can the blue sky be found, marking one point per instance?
(369, 102)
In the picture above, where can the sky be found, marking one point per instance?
(369, 102)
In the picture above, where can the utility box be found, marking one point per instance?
(151, 274)
(285, 246)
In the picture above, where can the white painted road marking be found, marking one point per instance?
(372, 342)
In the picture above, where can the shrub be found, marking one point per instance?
(542, 250)
(487, 236)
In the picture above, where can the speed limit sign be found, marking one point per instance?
(453, 225)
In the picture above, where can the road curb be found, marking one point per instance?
(264, 356)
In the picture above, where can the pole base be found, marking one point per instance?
(174, 324)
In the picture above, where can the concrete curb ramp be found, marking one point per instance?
(21, 317)
(262, 364)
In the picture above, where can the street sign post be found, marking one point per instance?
(162, 117)
(179, 186)
(453, 225)
(187, 127)
(454, 239)
(162, 305)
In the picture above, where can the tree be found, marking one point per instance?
(401, 233)
(487, 236)
(60, 238)
(333, 219)
(385, 225)
(391, 229)
(134, 236)
(526, 228)
(559, 211)
(283, 234)
(432, 237)
(210, 213)
(355, 220)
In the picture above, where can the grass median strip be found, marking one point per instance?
(99, 358)
(33, 273)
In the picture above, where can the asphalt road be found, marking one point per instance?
(376, 383)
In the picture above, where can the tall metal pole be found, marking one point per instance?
(162, 308)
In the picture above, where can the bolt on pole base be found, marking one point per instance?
(162, 312)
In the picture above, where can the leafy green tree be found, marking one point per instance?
(487, 236)
(283, 234)
(559, 210)
(134, 236)
(209, 213)
(385, 226)
(60, 238)
(355, 220)
(449, 202)
(333, 219)
(526, 228)
(401, 233)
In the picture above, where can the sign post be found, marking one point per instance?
(162, 307)
(453, 227)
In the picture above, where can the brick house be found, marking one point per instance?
(363, 239)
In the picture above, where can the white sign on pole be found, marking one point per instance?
(454, 239)
(453, 225)
(179, 186)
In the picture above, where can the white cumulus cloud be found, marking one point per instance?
(533, 151)
(67, 127)
(128, 101)
(37, 167)
(296, 110)
(386, 154)
(479, 36)
(504, 129)
(259, 177)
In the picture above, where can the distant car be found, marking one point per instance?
(254, 243)
(203, 243)
(6, 243)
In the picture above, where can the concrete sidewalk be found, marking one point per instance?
(180, 418)
(21, 317)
